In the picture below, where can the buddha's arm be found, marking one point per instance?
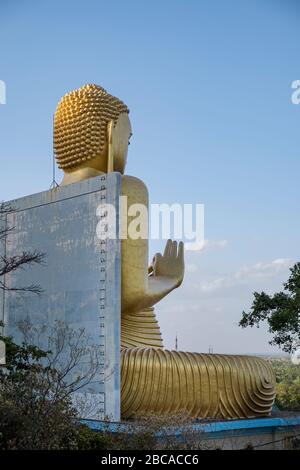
(139, 289)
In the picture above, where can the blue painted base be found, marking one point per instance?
(270, 432)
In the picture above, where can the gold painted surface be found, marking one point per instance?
(85, 122)
(91, 132)
(140, 330)
(202, 385)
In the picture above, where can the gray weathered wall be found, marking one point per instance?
(81, 277)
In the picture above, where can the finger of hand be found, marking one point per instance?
(155, 264)
(168, 248)
(181, 251)
(174, 249)
(157, 256)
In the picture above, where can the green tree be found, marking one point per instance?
(30, 416)
(37, 387)
(280, 311)
(287, 385)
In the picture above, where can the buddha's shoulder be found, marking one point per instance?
(131, 183)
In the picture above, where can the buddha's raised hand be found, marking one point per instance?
(171, 263)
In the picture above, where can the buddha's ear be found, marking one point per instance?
(110, 155)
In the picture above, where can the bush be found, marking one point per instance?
(149, 433)
(36, 410)
(32, 414)
(287, 385)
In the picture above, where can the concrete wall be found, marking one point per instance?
(276, 433)
(80, 279)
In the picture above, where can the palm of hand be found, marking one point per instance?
(171, 263)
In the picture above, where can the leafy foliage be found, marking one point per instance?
(287, 385)
(36, 408)
(281, 311)
(150, 432)
(31, 416)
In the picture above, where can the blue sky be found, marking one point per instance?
(208, 84)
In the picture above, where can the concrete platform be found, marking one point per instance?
(274, 432)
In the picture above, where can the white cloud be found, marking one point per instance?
(208, 306)
(246, 274)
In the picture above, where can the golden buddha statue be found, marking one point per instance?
(91, 135)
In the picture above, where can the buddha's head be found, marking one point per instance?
(91, 126)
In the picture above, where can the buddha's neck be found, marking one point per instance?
(80, 175)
